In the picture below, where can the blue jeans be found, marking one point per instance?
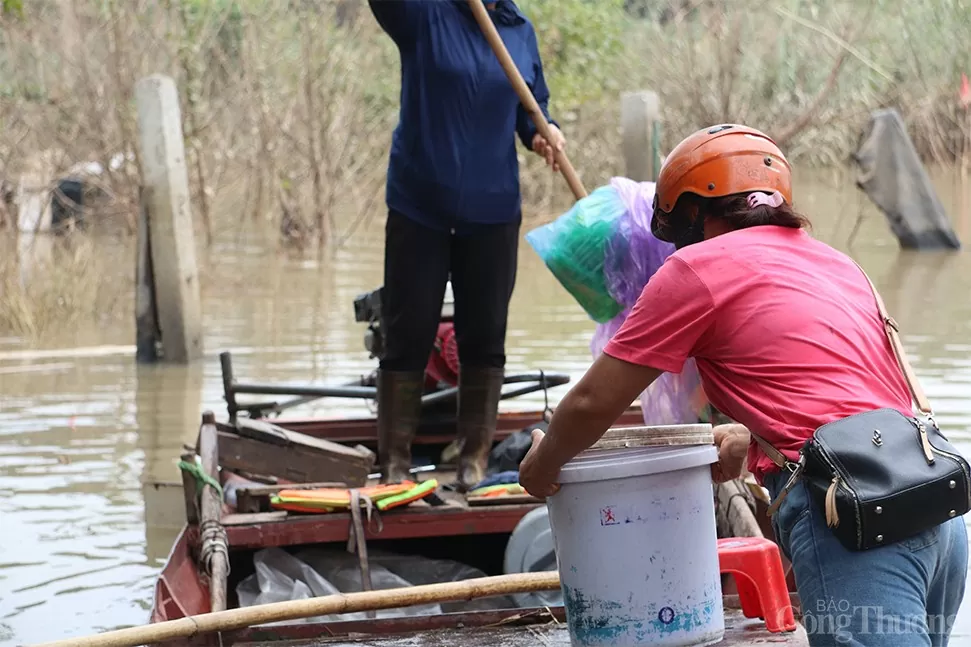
(902, 595)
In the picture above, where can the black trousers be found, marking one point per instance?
(418, 262)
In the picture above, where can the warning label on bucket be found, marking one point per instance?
(608, 517)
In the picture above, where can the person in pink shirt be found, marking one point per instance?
(787, 337)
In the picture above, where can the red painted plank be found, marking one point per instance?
(403, 524)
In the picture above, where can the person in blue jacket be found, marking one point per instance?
(454, 213)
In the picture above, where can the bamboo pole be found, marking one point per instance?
(326, 605)
(525, 94)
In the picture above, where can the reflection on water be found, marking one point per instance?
(81, 536)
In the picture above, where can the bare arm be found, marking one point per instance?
(666, 326)
(581, 418)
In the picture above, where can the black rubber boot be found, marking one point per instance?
(479, 391)
(399, 411)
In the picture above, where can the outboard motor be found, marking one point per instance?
(367, 309)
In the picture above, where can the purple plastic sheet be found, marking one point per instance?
(633, 255)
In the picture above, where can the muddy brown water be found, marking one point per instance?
(82, 429)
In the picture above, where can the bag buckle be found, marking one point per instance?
(795, 470)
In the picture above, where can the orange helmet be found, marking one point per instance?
(716, 162)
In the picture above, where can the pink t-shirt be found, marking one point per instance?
(785, 331)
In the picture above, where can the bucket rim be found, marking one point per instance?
(635, 462)
(633, 436)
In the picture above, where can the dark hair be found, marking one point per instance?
(734, 210)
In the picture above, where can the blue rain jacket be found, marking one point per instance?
(453, 154)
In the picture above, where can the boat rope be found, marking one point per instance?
(547, 411)
(212, 535)
(202, 479)
(214, 541)
(358, 500)
(356, 540)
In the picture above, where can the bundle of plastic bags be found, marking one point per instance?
(603, 252)
(574, 248)
(673, 398)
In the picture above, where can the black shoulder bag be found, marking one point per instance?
(880, 476)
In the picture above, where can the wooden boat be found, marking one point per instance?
(475, 535)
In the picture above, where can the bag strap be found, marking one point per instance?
(892, 329)
(774, 454)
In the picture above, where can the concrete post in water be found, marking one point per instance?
(174, 279)
(893, 176)
(640, 125)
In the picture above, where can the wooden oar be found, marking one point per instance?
(525, 94)
(331, 604)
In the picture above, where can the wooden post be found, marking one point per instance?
(640, 122)
(229, 384)
(171, 240)
(214, 544)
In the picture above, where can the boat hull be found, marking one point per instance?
(182, 591)
(507, 628)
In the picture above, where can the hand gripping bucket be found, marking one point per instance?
(637, 551)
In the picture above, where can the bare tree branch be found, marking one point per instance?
(805, 119)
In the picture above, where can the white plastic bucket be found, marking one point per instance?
(636, 547)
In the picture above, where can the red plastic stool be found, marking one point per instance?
(756, 564)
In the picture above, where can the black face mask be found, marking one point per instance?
(693, 233)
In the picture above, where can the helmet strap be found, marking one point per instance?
(693, 233)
